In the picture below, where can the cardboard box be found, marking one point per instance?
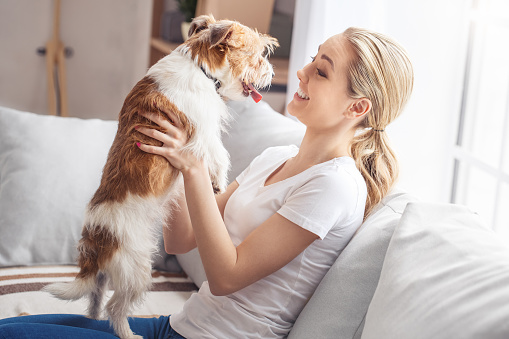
(252, 13)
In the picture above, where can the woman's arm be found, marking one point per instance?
(178, 234)
(228, 268)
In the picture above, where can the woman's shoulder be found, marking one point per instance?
(285, 149)
(342, 167)
(338, 175)
(268, 158)
(279, 152)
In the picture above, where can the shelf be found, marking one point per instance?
(280, 64)
(163, 45)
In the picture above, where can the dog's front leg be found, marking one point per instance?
(219, 166)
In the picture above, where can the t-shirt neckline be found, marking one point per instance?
(295, 150)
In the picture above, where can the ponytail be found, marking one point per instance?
(380, 71)
(377, 163)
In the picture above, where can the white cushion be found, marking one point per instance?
(49, 169)
(339, 304)
(445, 275)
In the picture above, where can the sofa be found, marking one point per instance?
(414, 269)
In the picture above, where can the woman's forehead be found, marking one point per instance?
(337, 44)
(336, 50)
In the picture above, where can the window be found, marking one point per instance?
(481, 155)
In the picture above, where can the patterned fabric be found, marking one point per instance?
(20, 291)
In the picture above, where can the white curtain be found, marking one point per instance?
(434, 32)
(317, 20)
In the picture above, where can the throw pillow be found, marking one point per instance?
(445, 275)
(49, 169)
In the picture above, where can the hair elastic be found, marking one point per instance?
(378, 130)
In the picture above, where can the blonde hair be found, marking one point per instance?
(382, 72)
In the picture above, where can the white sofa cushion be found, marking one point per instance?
(49, 169)
(445, 275)
(339, 304)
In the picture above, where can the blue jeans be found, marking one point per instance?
(59, 326)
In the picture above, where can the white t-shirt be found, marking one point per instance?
(327, 199)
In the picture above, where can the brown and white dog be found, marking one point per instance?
(220, 60)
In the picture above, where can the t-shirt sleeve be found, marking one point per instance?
(325, 200)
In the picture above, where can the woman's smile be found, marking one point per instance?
(300, 94)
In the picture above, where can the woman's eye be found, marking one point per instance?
(320, 73)
(313, 58)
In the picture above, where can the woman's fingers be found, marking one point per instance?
(151, 149)
(155, 134)
(173, 129)
(157, 119)
(173, 118)
(173, 139)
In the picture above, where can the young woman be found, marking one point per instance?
(268, 240)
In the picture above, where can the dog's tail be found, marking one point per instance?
(93, 287)
(73, 290)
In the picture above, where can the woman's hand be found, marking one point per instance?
(173, 141)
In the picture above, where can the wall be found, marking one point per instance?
(110, 40)
(434, 32)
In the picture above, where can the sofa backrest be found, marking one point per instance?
(445, 275)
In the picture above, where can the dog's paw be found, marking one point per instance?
(96, 317)
(216, 188)
(219, 183)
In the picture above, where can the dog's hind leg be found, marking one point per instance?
(97, 295)
(118, 308)
(130, 278)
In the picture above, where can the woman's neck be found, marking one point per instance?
(318, 147)
(315, 148)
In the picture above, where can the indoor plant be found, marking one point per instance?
(188, 8)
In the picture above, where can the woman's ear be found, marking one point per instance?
(359, 108)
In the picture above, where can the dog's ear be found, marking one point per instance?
(220, 33)
(200, 23)
(270, 43)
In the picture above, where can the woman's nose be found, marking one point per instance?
(301, 74)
